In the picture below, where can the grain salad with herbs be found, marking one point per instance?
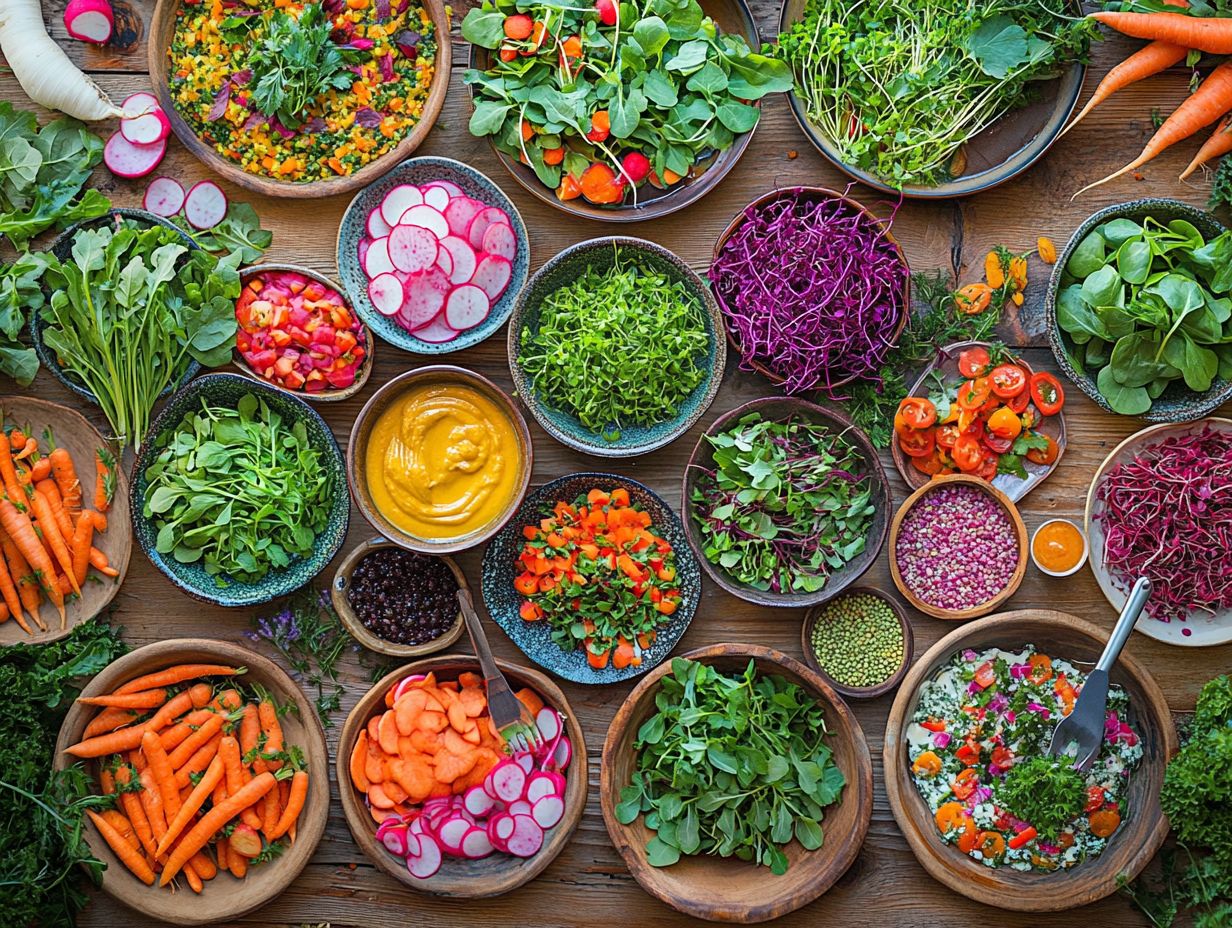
(302, 92)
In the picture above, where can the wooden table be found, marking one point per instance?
(588, 884)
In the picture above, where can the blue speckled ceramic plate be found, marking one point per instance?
(534, 638)
(566, 267)
(421, 171)
(62, 248)
(227, 389)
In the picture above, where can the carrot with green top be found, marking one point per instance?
(1207, 34)
(66, 480)
(149, 699)
(1146, 61)
(8, 473)
(126, 739)
(180, 673)
(133, 808)
(294, 805)
(213, 821)
(123, 850)
(105, 482)
(17, 525)
(270, 727)
(49, 489)
(83, 540)
(196, 799)
(109, 720)
(23, 578)
(17, 438)
(237, 776)
(53, 537)
(8, 591)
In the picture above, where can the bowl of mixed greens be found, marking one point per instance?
(1139, 310)
(933, 100)
(785, 502)
(616, 347)
(238, 494)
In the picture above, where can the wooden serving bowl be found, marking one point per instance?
(819, 193)
(1133, 844)
(1020, 531)
(369, 343)
(161, 32)
(76, 435)
(781, 408)
(464, 879)
(224, 898)
(860, 692)
(360, 632)
(727, 889)
(357, 452)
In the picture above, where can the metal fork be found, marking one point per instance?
(1083, 728)
(514, 721)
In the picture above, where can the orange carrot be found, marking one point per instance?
(152, 803)
(99, 520)
(250, 734)
(40, 470)
(174, 736)
(149, 699)
(194, 742)
(237, 863)
(23, 578)
(1207, 34)
(203, 865)
(8, 473)
(237, 776)
(194, 881)
(108, 720)
(66, 480)
(49, 489)
(271, 811)
(1220, 143)
(220, 846)
(134, 809)
(53, 537)
(119, 821)
(294, 805)
(106, 782)
(8, 591)
(17, 525)
(272, 730)
(177, 674)
(164, 776)
(226, 701)
(105, 484)
(83, 539)
(197, 761)
(98, 561)
(1151, 59)
(130, 858)
(128, 738)
(196, 799)
(210, 823)
(17, 439)
(27, 448)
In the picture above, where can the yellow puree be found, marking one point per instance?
(1058, 546)
(442, 461)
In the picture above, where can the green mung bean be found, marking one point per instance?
(857, 640)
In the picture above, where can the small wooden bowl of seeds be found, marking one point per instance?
(860, 642)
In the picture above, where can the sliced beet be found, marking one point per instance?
(500, 240)
(398, 201)
(387, 294)
(487, 216)
(412, 248)
(460, 212)
(466, 307)
(492, 275)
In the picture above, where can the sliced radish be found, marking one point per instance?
(548, 811)
(398, 201)
(205, 206)
(508, 781)
(89, 20)
(460, 212)
(563, 753)
(476, 844)
(412, 248)
(500, 827)
(544, 784)
(500, 240)
(413, 847)
(386, 293)
(394, 837)
(520, 807)
(549, 723)
(450, 187)
(377, 261)
(124, 159)
(444, 260)
(377, 226)
(525, 761)
(423, 298)
(437, 332)
(451, 834)
(428, 861)
(427, 217)
(147, 128)
(137, 103)
(477, 802)
(164, 196)
(466, 307)
(479, 225)
(436, 196)
(492, 276)
(527, 837)
(463, 256)
(361, 249)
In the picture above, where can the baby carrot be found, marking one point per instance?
(130, 858)
(177, 674)
(198, 761)
(109, 720)
(40, 470)
(203, 865)
(53, 536)
(8, 590)
(164, 776)
(194, 881)
(18, 527)
(83, 540)
(152, 802)
(66, 480)
(119, 821)
(134, 809)
(268, 716)
(23, 579)
(105, 484)
(210, 823)
(237, 863)
(49, 489)
(271, 811)
(294, 805)
(8, 472)
(189, 746)
(250, 734)
(99, 562)
(174, 736)
(196, 799)
(237, 776)
(149, 699)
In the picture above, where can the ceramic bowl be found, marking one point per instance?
(62, 248)
(361, 432)
(860, 692)
(1130, 847)
(227, 390)
(1063, 573)
(367, 342)
(420, 171)
(780, 409)
(599, 254)
(1177, 403)
(534, 638)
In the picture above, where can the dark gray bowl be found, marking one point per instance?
(1177, 403)
(62, 248)
(565, 268)
(534, 638)
(227, 389)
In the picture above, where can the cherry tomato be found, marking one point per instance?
(1004, 424)
(1095, 798)
(931, 465)
(900, 425)
(967, 453)
(1044, 456)
(974, 393)
(973, 299)
(1008, 380)
(918, 412)
(919, 443)
(933, 725)
(966, 782)
(994, 403)
(985, 675)
(1003, 757)
(946, 435)
(988, 467)
(1047, 393)
(973, 362)
(1019, 403)
(973, 425)
(997, 444)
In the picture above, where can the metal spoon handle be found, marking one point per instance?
(1125, 624)
(479, 640)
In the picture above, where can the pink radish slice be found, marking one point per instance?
(398, 201)
(476, 844)
(436, 196)
(147, 128)
(377, 226)
(89, 20)
(451, 834)
(386, 293)
(500, 240)
(124, 159)
(466, 307)
(394, 838)
(549, 723)
(437, 332)
(508, 781)
(520, 807)
(527, 837)
(450, 187)
(164, 196)
(460, 212)
(444, 260)
(137, 103)
(423, 297)
(361, 249)
(492, 276)
(405, 684)
(488, 788)
(500, 827)
(377, 261)
(463, 256)
(563, 754)
(415, 829)
(543, 784)
(205, 206)
(427, 217)
(548, 811)
(477, 802)
(413, 847)
(412, 248)
(479, 225)
(525, 761)
(428, 861)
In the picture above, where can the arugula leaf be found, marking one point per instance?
(239, 233)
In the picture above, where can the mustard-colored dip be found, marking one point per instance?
(442, 461)
(1057, 546)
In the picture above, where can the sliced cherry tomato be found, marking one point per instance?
(1008, 380)
(900, 424)
(988, 467)
(998, 445)
(1003, 757)
(930, 465)
(946, 435)
(1019, 403)
(1095, 798)
(973, 425)
(994, 403)
(969, 754)
(1044, 456)
(1004, 424)
(1041, 669)
(918, 443)
(990, 844)
(933, 725)
(1047, 393)
(918, 412)
(1104, 822)
(974, 393)
(965, 783)
(973, 362)
(967, 453)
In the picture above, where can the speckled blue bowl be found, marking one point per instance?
(227, 389)
(354, 226)
(534, 638)
(62, 248)
(566, 267)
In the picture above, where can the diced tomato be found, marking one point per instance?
(1095, 798)
(985, 675)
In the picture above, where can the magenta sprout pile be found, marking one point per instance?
(1167, 516)
(812, 289)
(956, 548)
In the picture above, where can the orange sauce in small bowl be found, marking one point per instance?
(1058, 547)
